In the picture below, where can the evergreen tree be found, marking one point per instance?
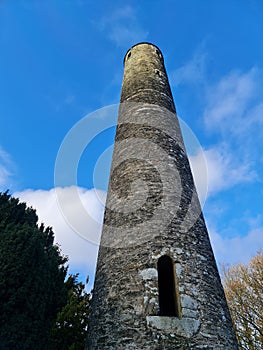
(32, 274)
(70, 329)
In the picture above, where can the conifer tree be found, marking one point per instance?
(71, 326)
(32, 275)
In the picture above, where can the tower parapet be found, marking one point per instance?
(157, 285)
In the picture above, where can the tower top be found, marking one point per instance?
(145, 79)
(143, 43)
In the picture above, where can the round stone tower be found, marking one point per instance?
(157, 285)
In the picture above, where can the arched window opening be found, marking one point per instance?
(168, 294)
(158, 53)
(129, 55)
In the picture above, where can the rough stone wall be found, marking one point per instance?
(152, 210)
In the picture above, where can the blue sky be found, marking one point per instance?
(62, 60)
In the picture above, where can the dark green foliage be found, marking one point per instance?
(70, 330)
(32, 274)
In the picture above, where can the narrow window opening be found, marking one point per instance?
(158, 72)
(158, 53)
(168, 293)
(129, 55)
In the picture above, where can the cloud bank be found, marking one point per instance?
(236, 249)
(82, 253)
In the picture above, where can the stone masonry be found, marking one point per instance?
(157, 285)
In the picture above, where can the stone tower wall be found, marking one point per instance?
(152, 210)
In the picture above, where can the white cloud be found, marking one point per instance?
(224, 170)
(6, 166)
(256, 114)
(236, 249)
(231, 102)
(82, 253)
(4, 176)
(122, 27)
(191, 72)
(234, 104)
(216, 169)
(234, 113)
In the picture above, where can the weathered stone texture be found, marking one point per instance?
(152, 210)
